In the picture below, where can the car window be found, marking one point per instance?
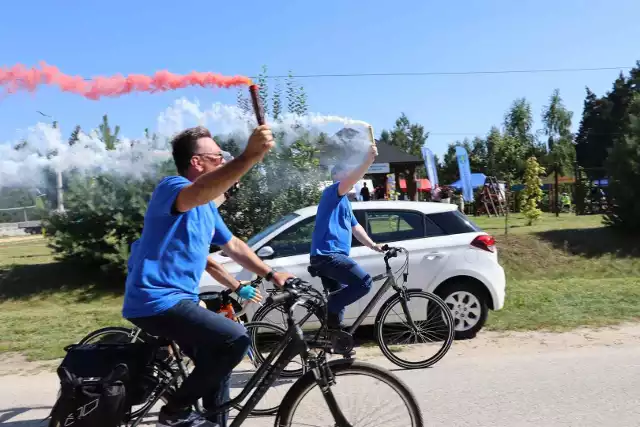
(431, 228)
(269, 229)
(295, 240)
(393, 225)
(454, 222)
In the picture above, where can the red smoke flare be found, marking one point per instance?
(20, 77)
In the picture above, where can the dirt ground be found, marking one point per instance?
(486, 344)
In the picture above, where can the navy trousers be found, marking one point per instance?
(341, 273)
(215, 344)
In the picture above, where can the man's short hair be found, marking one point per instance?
(184, 146)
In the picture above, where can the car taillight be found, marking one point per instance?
(485, 242)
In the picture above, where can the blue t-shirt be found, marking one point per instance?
(334, 220)
(167, 262)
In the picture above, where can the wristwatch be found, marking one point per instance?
(269, 275)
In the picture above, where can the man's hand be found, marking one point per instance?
(249, 293)
(260, 142)
(257, 297)
(377, 247)
(372, 153)
(280, 277)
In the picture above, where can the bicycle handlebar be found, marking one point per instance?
(289, 291)
(392, 252)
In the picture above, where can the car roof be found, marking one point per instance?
(424, 207)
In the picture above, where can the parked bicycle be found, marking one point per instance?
(320, 385)
(397, 326)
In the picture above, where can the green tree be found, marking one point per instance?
(519, 137)
(604, 119)
(103, 216)
(108, 136)
(287, 179)
(407, 136)
(492, 143)
(532, 193)
(75, 134)
(561, 151)
(277, 101)
(623, 166)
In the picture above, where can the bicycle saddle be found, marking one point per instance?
(313, 272)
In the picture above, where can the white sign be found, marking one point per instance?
(379, 168)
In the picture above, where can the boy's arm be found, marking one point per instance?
(361, 235)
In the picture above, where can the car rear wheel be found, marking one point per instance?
(469, 307)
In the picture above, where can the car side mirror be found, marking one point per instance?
(265, 252)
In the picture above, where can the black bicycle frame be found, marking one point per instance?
(390, 282)
(267, 374)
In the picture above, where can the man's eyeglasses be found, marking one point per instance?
(225, 155)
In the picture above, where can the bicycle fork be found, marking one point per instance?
(404, 297)
(325, 379)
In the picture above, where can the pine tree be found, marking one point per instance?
(623, 167)
(277, 100)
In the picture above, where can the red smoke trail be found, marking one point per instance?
(20, 77)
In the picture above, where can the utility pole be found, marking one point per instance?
(59, 190)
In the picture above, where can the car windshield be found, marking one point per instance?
(279, 223)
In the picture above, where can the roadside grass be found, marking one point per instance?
(46, 305)
(517, 223)
(561, 273)
(565, 272)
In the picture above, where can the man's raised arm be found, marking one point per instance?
(213, 184)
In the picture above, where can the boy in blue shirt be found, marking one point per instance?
(166, 264)
(331, 241)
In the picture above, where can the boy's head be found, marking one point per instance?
(339, 171)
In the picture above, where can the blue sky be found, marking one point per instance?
(315, 37)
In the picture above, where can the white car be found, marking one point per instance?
(448, 255)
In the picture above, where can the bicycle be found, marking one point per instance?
(437, 312)
(323, 376)
(172, 359)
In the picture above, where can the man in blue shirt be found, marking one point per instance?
(167, 262)
(331, 241)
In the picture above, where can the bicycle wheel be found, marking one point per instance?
(110, 335)
(266, 337)
(352, 380)
(308, 316)
(433, 332)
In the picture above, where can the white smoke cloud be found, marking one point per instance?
(47, 148)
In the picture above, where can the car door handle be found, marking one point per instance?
(434, 255)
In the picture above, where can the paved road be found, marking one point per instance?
(475, 385)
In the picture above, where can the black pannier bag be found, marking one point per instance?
(98, 383)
